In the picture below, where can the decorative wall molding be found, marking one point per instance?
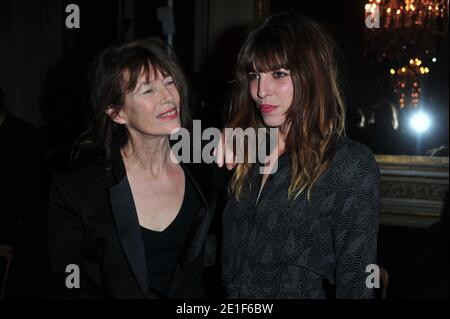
(413, 189)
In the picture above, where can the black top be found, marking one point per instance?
(295, 249)
(93, 224)
(162, 248)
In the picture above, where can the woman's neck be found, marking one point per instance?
(151, 154)
(281, 144)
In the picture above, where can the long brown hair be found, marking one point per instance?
(316, 117)
(116, 71)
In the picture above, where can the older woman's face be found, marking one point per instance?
(273, 93)
(152, 108)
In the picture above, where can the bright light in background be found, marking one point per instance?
(420, 122)
(434, 60)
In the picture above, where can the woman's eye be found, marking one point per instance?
(169, 81)
(147, 91)
(252, 76)
(279, 74)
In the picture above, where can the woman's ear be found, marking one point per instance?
(115, 115)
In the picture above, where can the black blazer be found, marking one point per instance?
(93, 223)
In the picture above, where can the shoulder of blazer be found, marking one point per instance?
(348, 151)
(204, 177)
(83, 174)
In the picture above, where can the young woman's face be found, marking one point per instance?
(152, 108)
(273, 93)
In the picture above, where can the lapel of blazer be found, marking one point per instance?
(196, 237)
(199, 231)
(127, 222)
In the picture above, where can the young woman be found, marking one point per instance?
(133, 221)
(309, 229)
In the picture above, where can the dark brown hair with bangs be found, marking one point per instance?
(115, 72)
(316, 117)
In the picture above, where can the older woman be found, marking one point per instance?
(131, 220)
(308, 229)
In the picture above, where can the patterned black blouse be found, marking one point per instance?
(296, 249)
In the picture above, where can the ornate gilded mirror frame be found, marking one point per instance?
(413, 189)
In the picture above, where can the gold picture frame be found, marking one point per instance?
(413, 189)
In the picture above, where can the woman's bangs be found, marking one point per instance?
(265, 54)
(142, 65)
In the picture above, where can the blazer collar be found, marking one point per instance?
(118, 170)
(127, 223)
(202, 176)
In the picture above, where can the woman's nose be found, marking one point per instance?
(264, 87)
(166, 94)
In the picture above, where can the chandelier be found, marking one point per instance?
(406, 35)
(417, 27)
(406, 81)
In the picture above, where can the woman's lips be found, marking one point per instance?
(169, 115)
(267, 108)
